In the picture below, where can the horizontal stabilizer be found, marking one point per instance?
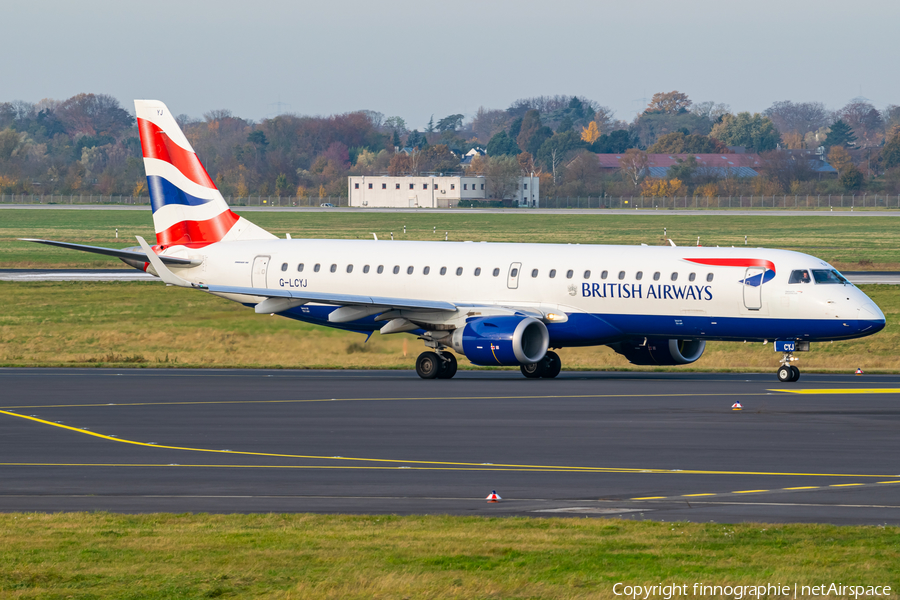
(129, 254)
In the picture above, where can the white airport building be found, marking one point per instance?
(383, 191)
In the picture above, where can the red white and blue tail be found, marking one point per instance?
(187, 207)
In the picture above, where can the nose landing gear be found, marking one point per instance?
(788, 372)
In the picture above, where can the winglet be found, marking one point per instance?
(161, 269)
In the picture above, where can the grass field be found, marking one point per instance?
(146, 324)
(309, 556)
(850, 243)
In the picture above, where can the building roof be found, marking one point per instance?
(660, 172)
(723, 161)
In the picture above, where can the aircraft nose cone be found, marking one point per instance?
(870, 313)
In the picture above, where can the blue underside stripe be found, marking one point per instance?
(597, 329)
(163, 191)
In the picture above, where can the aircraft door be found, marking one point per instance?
(260, 266)
(512, 280)
(753, 288)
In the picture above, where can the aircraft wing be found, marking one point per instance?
(337, 299)
(129, 254)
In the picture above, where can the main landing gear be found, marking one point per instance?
(433, 365)
(548, 367)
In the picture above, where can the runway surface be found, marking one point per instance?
(856, 277)
(662, 446)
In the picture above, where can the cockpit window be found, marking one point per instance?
(799, 276)
(828, 276)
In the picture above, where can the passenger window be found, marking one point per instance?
(477, 271)
(426, 270)
(569, 274)
(587, 274)
(496, 272)
(656, 276)
(552, 273)
(459, 270)
(284, 266)
(709, 277)
(317, 267)
(534, 272)
(396, 269)
(349, 268)
(621, 274)
(380, 269)
(674, 276)
(366, 269)
(692, 276)
(514, 273)
(639, 275)
(300, 268)
(333, 268)
(443, 270)
(409, 271)
(799, 276)
(604, 274)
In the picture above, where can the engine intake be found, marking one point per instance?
(502, 340)
(660, 352)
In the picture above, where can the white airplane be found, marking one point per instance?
(495, 304)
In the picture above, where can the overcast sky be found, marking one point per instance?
(417, 58)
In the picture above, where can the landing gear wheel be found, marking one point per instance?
(796, 372)
(428, 365)
(552, 365)
(533, 370)
(448, 367)
(786, 374)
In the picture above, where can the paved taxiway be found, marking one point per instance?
(663, 446)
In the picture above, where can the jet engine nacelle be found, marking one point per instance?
(502, 340)
(661, 352)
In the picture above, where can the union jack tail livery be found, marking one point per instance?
(187, 207)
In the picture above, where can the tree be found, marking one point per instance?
(416, 139)
(526, 163)
(451, 123)
(863, 119)
(93, 114)
(616, 142)
(649, 127)
(890, 154)
(397, 124)
(840, 159)
(669, 102)
(678, 143)
(635, 165)
(590, 133)
(439, 159)
(487, 123)
(502, 176)
(430, 127)
(683, 169)
(553, 151)
(501, 144)
(754, 132)
(711, 111)
(852, 178)
(840, 135)
(400, 165)
(785, 168)
(532, 133)
(797, 117)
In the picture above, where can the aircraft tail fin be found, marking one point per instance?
(187, 206)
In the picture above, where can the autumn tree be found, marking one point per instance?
(755, 132)
(840, 159)
(590, 133)
(863, 119)
(400, 165)
(890, 154)
(785, 168)
(554, 150)
(438, 159)
(635, 164)
(669, 102)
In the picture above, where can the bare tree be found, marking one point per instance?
(635, 164)
(502, 174)
(798, 117)
(864, 120)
